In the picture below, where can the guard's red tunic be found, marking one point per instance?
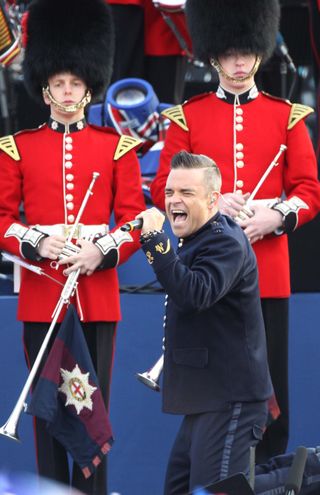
(51, 178)
(243, 140)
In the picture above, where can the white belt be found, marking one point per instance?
(82, 231)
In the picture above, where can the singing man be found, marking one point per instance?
(242, 129)
(215, 361)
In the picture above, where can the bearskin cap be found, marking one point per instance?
(68, 36)
(217, 26)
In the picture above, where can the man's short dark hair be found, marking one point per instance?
(212, 175)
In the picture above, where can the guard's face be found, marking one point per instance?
(237, 66)
(188, 204)
(67, 89)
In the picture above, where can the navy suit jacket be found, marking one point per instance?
(215, 348)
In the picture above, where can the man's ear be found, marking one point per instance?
(213, 198)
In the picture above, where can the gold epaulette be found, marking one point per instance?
(176, 115)
(298, 112)
(8, 145)
(125, 144)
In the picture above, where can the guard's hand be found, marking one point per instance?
(51, 247)
(232, 203)
(88, 259)
(263, 222)
(153, 219)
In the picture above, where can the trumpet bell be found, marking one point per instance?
(10, 431)
(146, 379)
(151, 377)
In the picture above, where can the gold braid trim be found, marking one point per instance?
(176, 115)
(8, 145)
(125, 144)
(298, 112)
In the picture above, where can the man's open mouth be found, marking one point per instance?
(178, 216)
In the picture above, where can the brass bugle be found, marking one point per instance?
(151, 377)
(10, 428)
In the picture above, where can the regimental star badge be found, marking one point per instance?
(80, 125)
(54, 125)
(77, 389)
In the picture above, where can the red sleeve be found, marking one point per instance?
(128, 198)
(176, 140)
(11, 197)
(301, 172)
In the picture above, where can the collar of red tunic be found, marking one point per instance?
(241, 99)
(66, 128)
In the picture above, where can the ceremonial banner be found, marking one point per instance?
(68, 397)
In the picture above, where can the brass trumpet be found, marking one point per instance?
(10, 428)
(151, 377)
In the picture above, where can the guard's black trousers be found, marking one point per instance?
(275, 438)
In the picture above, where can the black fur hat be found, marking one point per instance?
(68, 36)
(245, 25)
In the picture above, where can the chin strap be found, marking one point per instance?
(216, 64)
(67, 108)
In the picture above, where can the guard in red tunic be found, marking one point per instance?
(267, 162)
(49, 170)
